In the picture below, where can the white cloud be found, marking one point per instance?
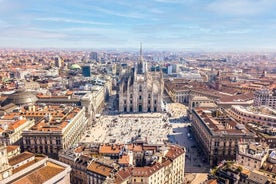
(67, 20)
(239, 7)
(136, 15)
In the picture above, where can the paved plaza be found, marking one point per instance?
(155, 128)
(127, 128)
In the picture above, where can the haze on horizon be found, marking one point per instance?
(167, 24)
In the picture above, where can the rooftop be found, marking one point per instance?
(41, 175)
(219, 122)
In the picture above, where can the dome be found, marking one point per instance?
(21, 98)
(75, 66)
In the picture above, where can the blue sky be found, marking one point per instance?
(161, 24)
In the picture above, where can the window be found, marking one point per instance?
(140, 97)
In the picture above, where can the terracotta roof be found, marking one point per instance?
(11, 148)
(26, 165)
(124, 160)
(109, 149)
(99, 169)
(122, 175)
(135, 148)
(212, 181)
(174, 152)
(145, 171)
(19, 158)
(41, 175)
(17, 124)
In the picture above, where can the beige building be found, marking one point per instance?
(57, 128)
(29, 168)
(5, 169)
(217, 134)
(94, 101)
(252, 155)
(124, 164)
(265, 97)
(11, 130)
(141, 90)
(265, 134)
(262, 115)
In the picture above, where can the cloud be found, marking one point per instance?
(173, 1)
(239, 7)
(121, 13)
(68, 20)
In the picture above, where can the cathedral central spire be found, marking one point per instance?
(141, 52)
(142, 66)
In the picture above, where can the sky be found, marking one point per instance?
(159, 24)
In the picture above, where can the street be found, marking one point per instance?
(195, 168)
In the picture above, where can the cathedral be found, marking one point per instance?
(140, 90)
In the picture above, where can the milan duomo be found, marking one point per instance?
(141, 90)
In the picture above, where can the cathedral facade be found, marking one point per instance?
(140, 90)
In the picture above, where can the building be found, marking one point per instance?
(11, 130)
(128, 163)
(20, 98)
(29, 168)
(265, 134)
(94, 100)
(5, 169)
(233, 173)
(252, 155)
(217, 134)
(86, 71)
(201, 101)
(56, 128)
(218, 84)
(182, 91)
(265, 97)
(262, 115)
(140, 90)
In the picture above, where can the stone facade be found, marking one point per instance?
(140, 90)
(217, 134)
(265, 97)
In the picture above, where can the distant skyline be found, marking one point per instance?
(159, 24)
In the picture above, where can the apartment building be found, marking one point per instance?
(252, 155)
(265, 97)
(217, 134)
(122, 164)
